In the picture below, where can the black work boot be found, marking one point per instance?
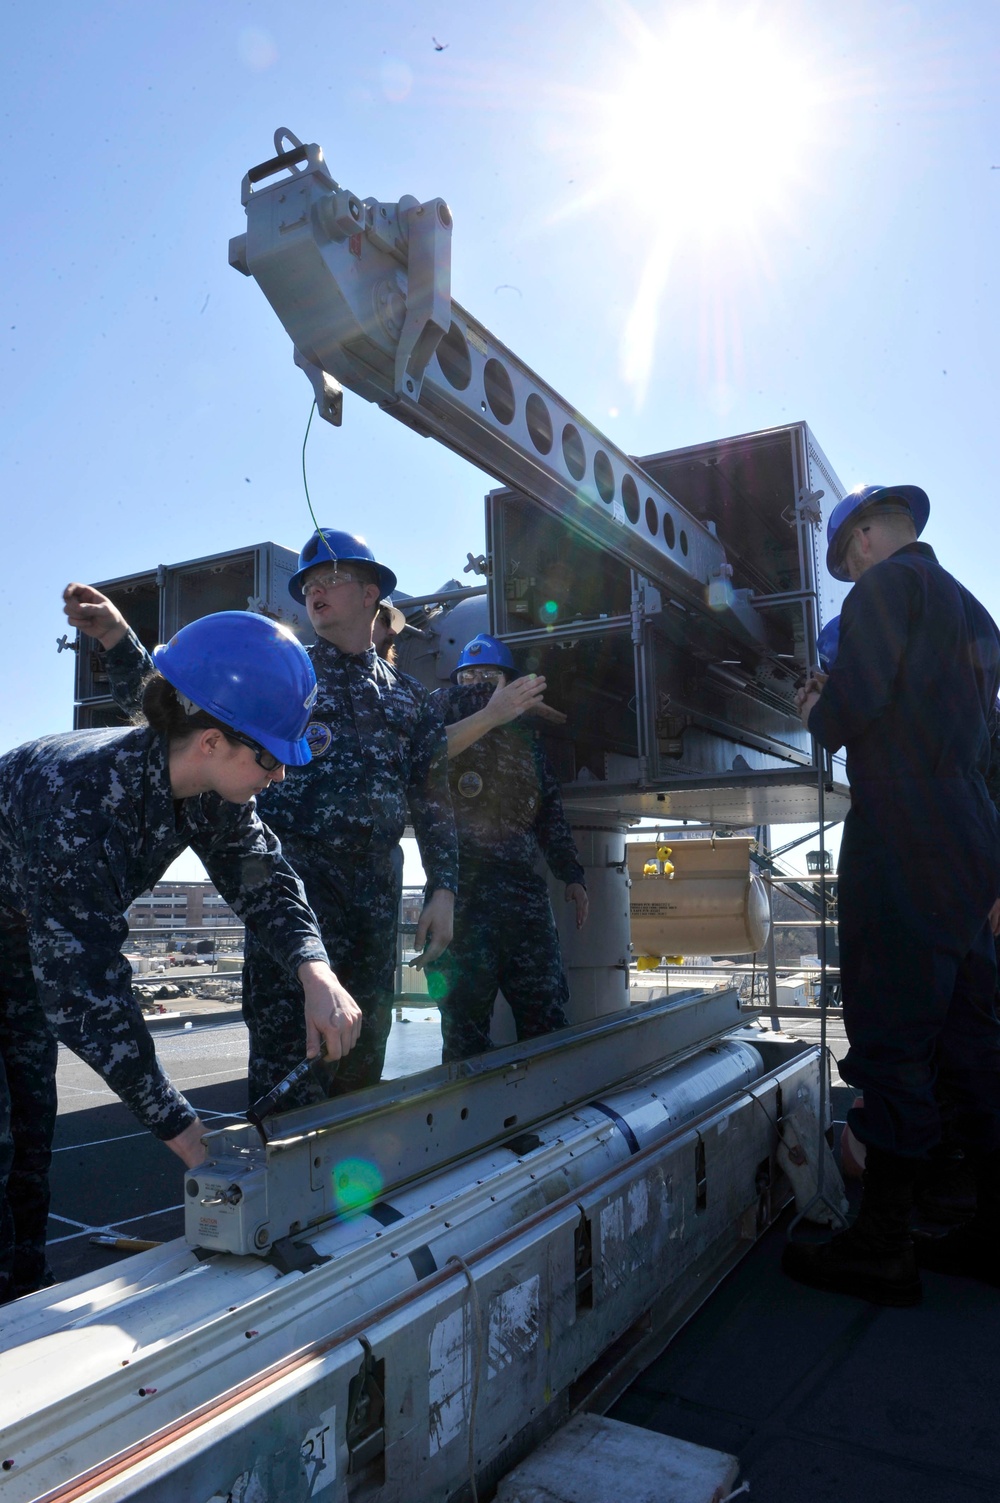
(946, 1188)
(973, 1250)
(874, 1258)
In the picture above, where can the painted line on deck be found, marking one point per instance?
(205, 1114)
(110, 1230)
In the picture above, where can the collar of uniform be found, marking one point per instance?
(159, 794)
(326, 649)
(923, 550)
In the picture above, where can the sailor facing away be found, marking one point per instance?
(91, 819)
(910, 696)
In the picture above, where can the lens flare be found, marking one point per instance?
(356, 1184)
(437, 986)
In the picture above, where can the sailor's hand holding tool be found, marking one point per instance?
(94, 614)
(333, 1018)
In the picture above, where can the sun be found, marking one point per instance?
(703, 139)
(713, 123)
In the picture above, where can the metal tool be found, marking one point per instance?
(264, 1106)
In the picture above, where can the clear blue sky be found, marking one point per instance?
(691, 220)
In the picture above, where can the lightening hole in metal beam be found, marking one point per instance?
(573, 451)
(684, 542)
(630, 499)
(499, 392)
(536, 415)
(652, 518)
(669, 536)
(453, 358)
(604, 477)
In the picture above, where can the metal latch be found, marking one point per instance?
(228, 1197)
(366, 1412)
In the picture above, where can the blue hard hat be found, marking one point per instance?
(827, 644)
(485, 651)
(859, 499)
(327, 546)
(249, 673)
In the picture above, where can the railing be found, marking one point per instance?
(760, 980)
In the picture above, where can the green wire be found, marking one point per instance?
(305, 481)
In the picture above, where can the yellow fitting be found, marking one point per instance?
(650, 869)
(647, 962)
(674, 959)
(664, 852)
(668, 868)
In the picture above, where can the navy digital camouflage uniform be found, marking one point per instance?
(88, 822)
(507, 809)
(379, 755)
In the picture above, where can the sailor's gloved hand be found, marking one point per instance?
(436, 927)
(93, 614)
(332, 1015)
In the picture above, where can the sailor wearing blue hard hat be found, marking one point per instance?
(508, 809)
(910, 693)
(379, 763)
(91, 819)
(857, 508)
(335, 552)
(487, 653)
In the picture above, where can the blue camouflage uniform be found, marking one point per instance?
(507, 810)
(379, 758)
(910, 696)
(88, 821)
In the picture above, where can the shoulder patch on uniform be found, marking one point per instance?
(470, 785)
(319, 737)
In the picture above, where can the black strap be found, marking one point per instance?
(421, 1258)
(620, 1123)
